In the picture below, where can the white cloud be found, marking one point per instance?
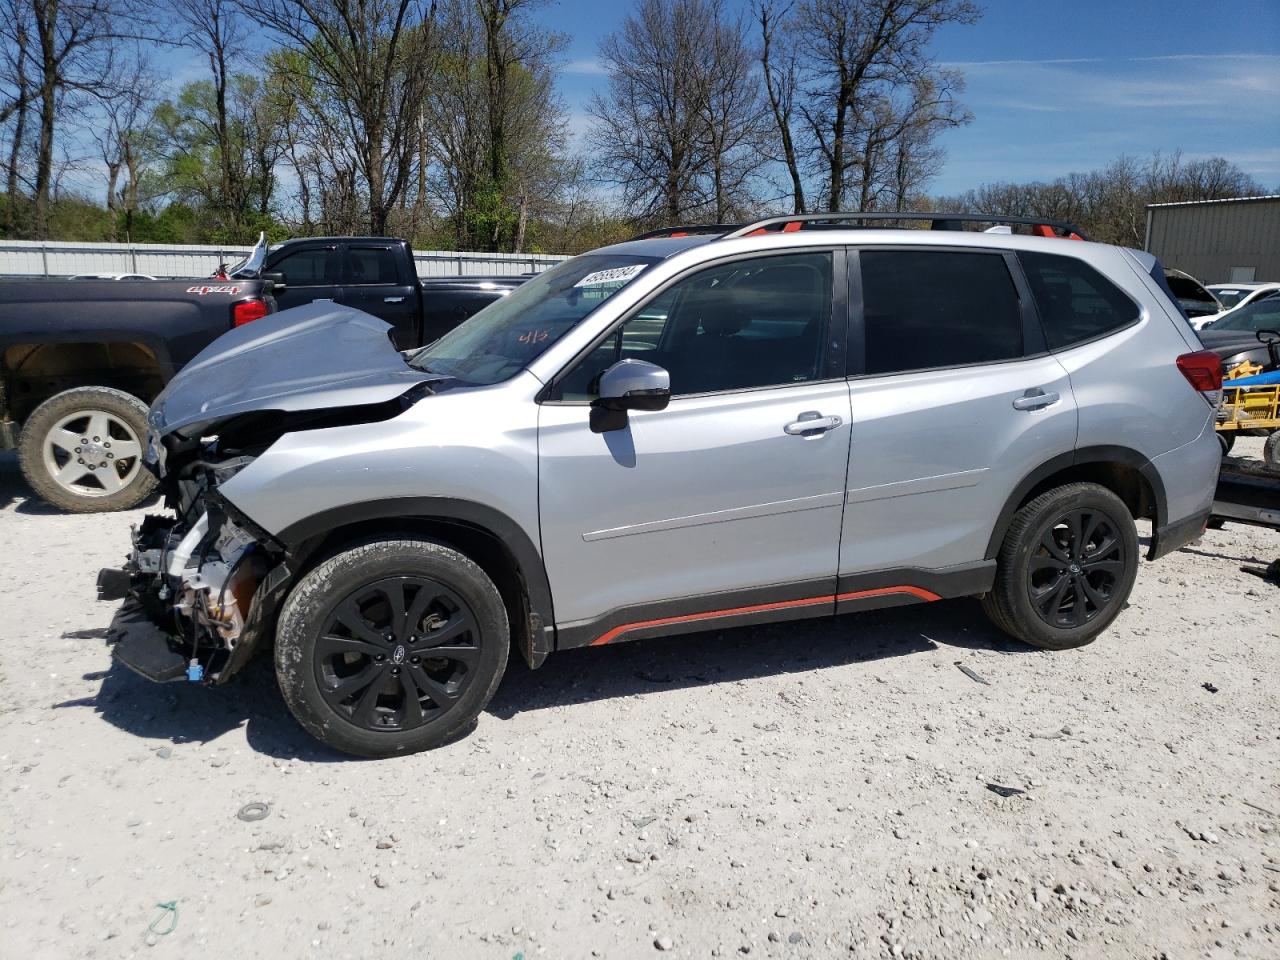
(590, 67)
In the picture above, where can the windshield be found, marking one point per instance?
(506, 336)
(1259, 315)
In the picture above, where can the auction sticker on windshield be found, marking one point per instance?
(618, 275)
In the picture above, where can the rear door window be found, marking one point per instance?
(937, 308)
(371, 265)
(1075, 301)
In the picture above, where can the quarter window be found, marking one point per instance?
(925, 308)
(744, 324)
(1075, 301)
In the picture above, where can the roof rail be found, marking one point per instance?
(938, 221)
(718, 229)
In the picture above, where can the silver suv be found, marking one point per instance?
(801, 417)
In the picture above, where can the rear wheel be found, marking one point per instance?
(81, 450)
(391, 647)
(1227, 440)
(1271, 449)
(1066, 567)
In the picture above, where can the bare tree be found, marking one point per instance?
(217, 30)
(859, 58)
(1109, 204)
(15, 33)
(366, 72)
(495, 134)
(678, 74)
(895, 136)
(778, 64)
(123, 139)
(734, 120)
(74, 44)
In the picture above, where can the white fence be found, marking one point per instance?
(29, 258)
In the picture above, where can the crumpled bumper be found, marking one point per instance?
(146, 649)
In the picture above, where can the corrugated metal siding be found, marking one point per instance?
(1207, 240)
(25, 258)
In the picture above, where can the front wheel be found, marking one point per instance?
(391, 647)
(1066, 567)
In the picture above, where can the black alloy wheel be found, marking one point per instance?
(1073, 573)
(397, 653)
(391, 646)
(1065, 567)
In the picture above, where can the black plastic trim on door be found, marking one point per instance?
(837, 327)
(856, 350)
(1033, 340)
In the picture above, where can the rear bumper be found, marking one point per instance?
(1174, 536)
(1188, 475)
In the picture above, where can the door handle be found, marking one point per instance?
(393, 299)
(1035, 399)
(811, 423)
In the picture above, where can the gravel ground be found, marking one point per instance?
(813, 789)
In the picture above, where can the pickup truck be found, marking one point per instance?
(81, 360)
(377, 275)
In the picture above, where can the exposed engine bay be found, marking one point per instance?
(198, 575)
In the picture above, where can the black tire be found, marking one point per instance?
(1271, 449)
(49, 452)
(1227, 440)
(1063, 598)
(349, 686)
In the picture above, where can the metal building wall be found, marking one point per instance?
(1207, 239)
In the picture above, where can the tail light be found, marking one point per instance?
(1203, 370)
(247, 311)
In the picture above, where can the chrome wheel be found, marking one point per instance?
(92, 453)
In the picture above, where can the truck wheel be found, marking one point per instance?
(1271, 449)
(1227, 441)
(391, 647)
(81, 450)
(1065, 568)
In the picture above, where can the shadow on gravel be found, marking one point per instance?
(12, 486)
(189, 713)
(723, 656)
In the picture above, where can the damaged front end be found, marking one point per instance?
(200, 585)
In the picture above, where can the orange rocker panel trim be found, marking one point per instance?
(611, 635)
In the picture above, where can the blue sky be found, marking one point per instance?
(1057, 87)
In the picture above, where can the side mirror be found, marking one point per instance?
(628, 385)
(277, 279)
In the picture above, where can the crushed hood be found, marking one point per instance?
(313, 357)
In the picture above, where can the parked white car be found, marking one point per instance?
(1233, 296)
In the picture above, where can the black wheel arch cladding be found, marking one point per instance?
(305, 537)
(1079, 465)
